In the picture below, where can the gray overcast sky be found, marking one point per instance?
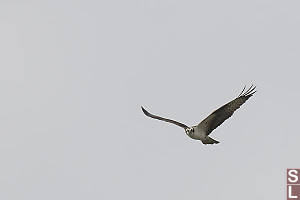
(75, 73)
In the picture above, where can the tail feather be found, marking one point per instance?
(209, 140)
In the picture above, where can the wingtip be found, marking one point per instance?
(144, 110)
(249, 92)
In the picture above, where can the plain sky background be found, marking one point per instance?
(73, 75)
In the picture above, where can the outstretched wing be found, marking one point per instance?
(216, 118)
(163, 119)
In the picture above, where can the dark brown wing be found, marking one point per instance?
(216, 118)
(163, 119)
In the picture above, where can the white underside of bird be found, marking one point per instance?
(197, 133)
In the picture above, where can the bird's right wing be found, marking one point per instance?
(216, 118)
(163, 119)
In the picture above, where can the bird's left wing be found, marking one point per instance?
(164, 119)
(216, 118)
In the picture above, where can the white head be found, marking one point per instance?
(189, 130)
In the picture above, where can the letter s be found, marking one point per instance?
(293, 177)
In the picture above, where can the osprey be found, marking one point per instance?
(215, 119)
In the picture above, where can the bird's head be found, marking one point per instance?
(189, 130)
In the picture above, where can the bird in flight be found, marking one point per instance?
(215, 119)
